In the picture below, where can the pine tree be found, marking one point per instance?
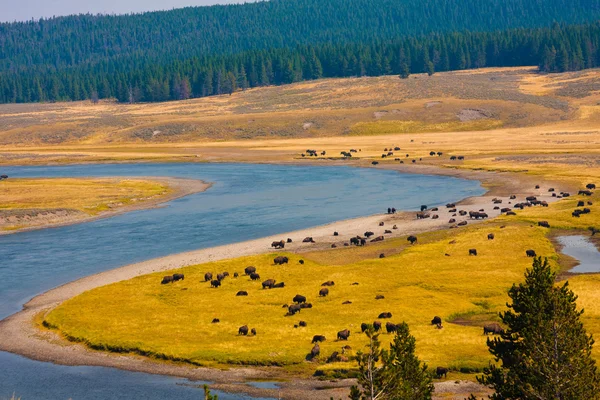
(396, 374)
(545, 352)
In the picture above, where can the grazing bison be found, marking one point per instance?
(511, 213)
(299, 299)
(379, 297)
(278, 245)
(545, 224)
(318, 338)
(253, 331)
(242, 293)
(302, 323)
(451, 221)
(491, 236)
(377, 326)
(477, 215)
(585, 192)
(220, 277)
(328, 283)
(293, 309)
(308, 239)
(269, 283)
(382, 255)
(316, 350)
(472, 252)
(249, 270)
(368, 234)
(235, 275)
(216, 320)
(323, 292)
(166, 279)
(306, 305)
(301, 262)
(412, 239)
(279, 285)
(590, 186)
(254, 276)
(385, 315)
(450, 205)
(436, 320)
(343, 335)
(494, 329)
(441, 371)
(280, 260)
(215, 283)
(243, 330)
(347, 302)
(390, 327)
(364, 326)
(208, 276)
(178, 277)
(530, 253)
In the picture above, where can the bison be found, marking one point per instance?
(436, 320)
(472, 252)
(166, 279)
(323, 292)
(178, 277)
(253, 331)
(302, 323)
(491, 236)
(280, 260)
(390, 327)
(308, 239)
(215, 283)
(242, 293)
(379, 297)
(220, 277)
(412, 239)
(544, 224)
(377, 326)
(301, 262)
(243, 330)
(377, 239)
(299, 299)
(494, 329)
(293, 309)
(215, 320)
(249, 270)
(316, 350)
(368, 234)
(208, 276)
(279, 285)
(278, 245)
(269, 283)
(318, 338)
(441, 371)
(364, 326)
(328, 283)
(590, 186)
(254, 276)
(385, 315)
(530, 253)
(343, 335)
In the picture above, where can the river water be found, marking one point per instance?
(246, 202)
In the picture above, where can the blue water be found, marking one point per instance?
(246, 202)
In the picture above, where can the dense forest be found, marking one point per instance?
(202, 51)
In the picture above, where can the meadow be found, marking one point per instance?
(42, 201)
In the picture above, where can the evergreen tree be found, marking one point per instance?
(545, 352)
(396, 374)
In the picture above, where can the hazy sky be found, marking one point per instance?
(21, 10)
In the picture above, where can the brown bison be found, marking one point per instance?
(491, 236)
(279, 285)
(318, 338)
(544, 224)
(462, 223)
(216, 320)
(379, 297)
(590, 186)
(249, 270)
(299, 299)
(236, 275)
(323, 292)
(308, 240)
(436, 320)
(166, 279)
(208, 276)
(178, 277)
(243, 330)
(242, 293)
(328, 283)
(377, 326)
(472, 252)
(493, 328)
(343, 335)
(215, 283)
(268, 284)
(316, 350)
(441, 371)
(254, 276)
(220, 277)
(385, 315)
(364, 326)
(302, 323)
(253, 331)
(280, 260)
(301, 262)
(412, 239)
(368, 234)
(377, 239)
(293, 309)
(530, 253)
(278, 245)
(390, 327)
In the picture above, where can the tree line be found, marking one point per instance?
(143, 78)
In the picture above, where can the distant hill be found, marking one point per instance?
(72, 57)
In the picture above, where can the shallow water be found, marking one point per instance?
(584, 251)
(246, 202)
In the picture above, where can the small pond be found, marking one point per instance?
(584, 251)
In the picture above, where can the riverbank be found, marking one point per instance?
(20, 333)
(35, 218)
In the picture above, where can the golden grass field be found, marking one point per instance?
(36, 201)
(510, 119)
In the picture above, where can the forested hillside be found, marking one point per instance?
(212, 50)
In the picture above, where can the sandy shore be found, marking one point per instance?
(19, 333)
(180, 187)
